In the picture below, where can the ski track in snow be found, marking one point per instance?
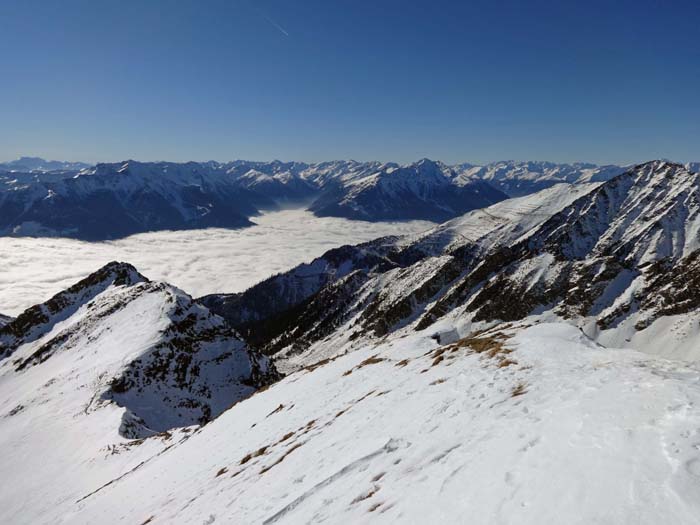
(198, 261)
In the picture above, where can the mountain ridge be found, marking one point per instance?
(114, 200)
(587, 261)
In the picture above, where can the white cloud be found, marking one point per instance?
(199, 261)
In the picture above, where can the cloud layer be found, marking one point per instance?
(199, 261)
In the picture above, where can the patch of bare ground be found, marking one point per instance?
(148, 520)
(373, 360)
(371, 492)
(285, 437)
(278, 409)
(491, 346)
(370, 361)
(317, 364)
(378, 476)
(282, 457)
(252, 455)
(221, 472)
(438, 381)
(374, 507)
(518, 390)
(402, 363)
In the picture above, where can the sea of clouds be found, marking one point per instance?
(198, 261)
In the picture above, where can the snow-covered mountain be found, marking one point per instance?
(115, 200)
(474, 371)
(424, 190)
(30, 164)
(517, 179)
(619, 259)
(166, 360)
(87, 375)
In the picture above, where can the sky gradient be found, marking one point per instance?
(315, 80)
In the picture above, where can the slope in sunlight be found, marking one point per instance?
(534, 425)
(113, 358)
(619, 259)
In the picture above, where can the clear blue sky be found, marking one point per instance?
(601, 81)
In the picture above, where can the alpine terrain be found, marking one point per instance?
(531, 360)
(113, 200)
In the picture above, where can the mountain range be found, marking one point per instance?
(488, 367)
(619, 259)
(108, 201)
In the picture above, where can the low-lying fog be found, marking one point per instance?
(198, 261)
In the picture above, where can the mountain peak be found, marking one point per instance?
(40, 319)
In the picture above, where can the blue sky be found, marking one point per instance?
(323, 79)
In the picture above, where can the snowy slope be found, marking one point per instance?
(451, 376)
(88, 374)
(621, 259)
(503, 222)
(376, 279)
(513, 426)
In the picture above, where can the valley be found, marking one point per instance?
(198, 261)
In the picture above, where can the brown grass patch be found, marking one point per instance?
(438, 381)
(285, 437)
(518, 390)
(402, 363)
(281, 458)
(365, 496)
(221, 472)
(252, 455)
(374, 507)
(317, 364)
(366, 395)
(149, 520)
(491, 346)
(370, 361)
(278, 409)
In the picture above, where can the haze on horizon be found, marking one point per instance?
(472, 81)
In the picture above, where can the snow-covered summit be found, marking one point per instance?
(78, 200)
(422, 190)
(519, 178)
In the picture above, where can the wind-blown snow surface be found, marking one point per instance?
(528, 426)
(199, 261)
(114, 357)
